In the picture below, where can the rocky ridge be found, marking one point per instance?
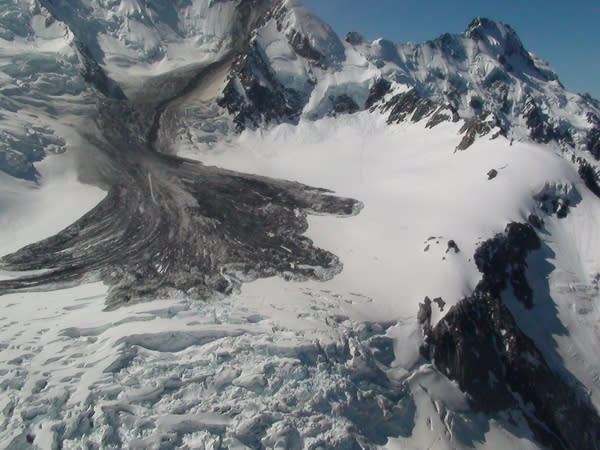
(479, 344)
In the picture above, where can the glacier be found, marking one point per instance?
(172, 279)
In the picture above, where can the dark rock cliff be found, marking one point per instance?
(480, 346)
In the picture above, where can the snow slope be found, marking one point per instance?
(181, 371)
(39, 83)
(33, 212)
(280, 363)
(280, 368)
(415, 187)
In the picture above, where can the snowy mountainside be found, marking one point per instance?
(288, 64)
(171, 279)
(39, 81)
(487, 69)
(483, 70)
(483, 75)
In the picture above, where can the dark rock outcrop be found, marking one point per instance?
(589, 177)
(254, 96)
(479, 126)
(302, 46)
(343, 104)
(354, 38)
(593, 136)
(410, 105)
(94, 74)
(377, 92)
(480, 346)
(541, 130)
(440, 302)
(558, 198)
(424, 314)
(452, 246)
(535, 221)
(18, 151)
(594, 142)
(444, 113)
(19, 165)
(502, 259)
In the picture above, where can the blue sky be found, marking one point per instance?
(566, 33)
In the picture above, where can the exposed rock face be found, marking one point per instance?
(254, 100)
(487, 69)
(262, 89)
(343, 104)
(424, 315)
(479, 344)
(354, 38)
(593, 136)
(439, 301)
(594, 142)
(502, 259)
(540, 128)
(94, 74)
(19, 151)
(557, 198)
(412, 106)
(535, 221)
(589, 177)
(377, 92)
(452, 246)
(409, 106)
(479, 126)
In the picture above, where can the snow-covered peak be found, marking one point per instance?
(289, 64)
(484, 28)
(487, 69)
(144, 38)
(307, 33)
(455, 64)
(273, 79)
(501, 42)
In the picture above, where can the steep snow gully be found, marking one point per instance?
(194, 307)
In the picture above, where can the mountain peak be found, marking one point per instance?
(495, 33)
(484, 23)
(308, 34)
(501, 42)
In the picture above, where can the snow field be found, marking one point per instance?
(414, 188)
